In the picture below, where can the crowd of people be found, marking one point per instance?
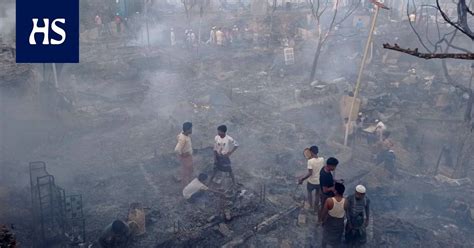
(326, 199)
(218, 37)
(235, 36)
(339, 215)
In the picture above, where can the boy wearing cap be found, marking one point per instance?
(358, 213)
(315, 164)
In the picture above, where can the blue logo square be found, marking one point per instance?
(47, 31)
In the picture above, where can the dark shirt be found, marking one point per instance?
(326, 180)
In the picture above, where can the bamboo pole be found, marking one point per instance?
(359, 77)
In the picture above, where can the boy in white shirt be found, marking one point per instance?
(224, 146)
(380, 128)
(315, 164)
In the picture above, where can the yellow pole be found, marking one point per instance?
(359, 77)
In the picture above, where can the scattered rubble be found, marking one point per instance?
(127, 103)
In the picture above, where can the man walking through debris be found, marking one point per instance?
(326, 181)
(224, 146)
(184, 150)
(358, 213)
(315, 164)
(333, 214)
(115, 235)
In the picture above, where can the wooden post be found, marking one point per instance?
(361, 70)
(439, 161)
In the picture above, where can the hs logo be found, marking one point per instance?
(45, 31)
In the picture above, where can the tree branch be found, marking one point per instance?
(466, 56)
(462, 22)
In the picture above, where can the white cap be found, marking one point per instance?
(360, 189)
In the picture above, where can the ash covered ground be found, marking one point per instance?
(106, 129)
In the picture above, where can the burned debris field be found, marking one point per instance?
(252, 123)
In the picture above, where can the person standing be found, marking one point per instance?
(184, 150)
(359, 25)
(118, 23)
(172, 37)
(247, 35)
(380, 128)
(189, 43)
(383, 148)
(315, 164)
(186, 38)
(358, 214)
(224, 147)
(192, 38)
(386, 155)
(219, 37)
(412, 17)
(98, 23)
(326, 180)
(236, 34)
(212, 36)
(333, 214)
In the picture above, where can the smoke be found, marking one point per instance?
(7, 21)
(155, 33)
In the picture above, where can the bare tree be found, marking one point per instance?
(188, 6)
(318, 10)
(274, 7)
(200, 5)
(439, 47)
(433, 47)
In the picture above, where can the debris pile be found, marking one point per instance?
(7, 238)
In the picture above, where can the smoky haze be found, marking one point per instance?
(107, 127)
